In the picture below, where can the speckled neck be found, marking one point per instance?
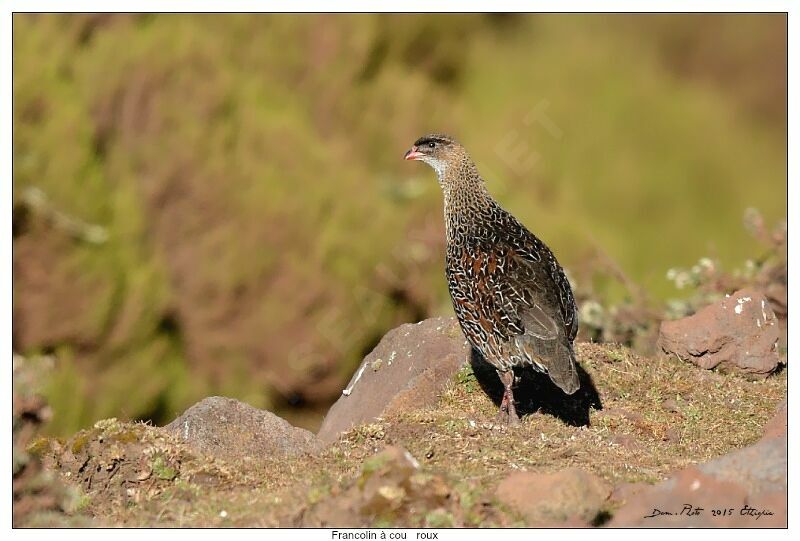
(466, 201)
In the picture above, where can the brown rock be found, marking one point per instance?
(778, 297)
(746, 488)
(626, 492)
(229, 429)
(777, 426)
(571, 495)
(687, 502)
(408, 369)
(759, 468)
(739, 333)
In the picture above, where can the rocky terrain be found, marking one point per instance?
(694, 436)
(214, 232)
(217, 205)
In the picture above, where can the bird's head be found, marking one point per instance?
(437, 150)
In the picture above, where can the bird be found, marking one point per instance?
(510, 295)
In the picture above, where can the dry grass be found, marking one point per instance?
(658, 415)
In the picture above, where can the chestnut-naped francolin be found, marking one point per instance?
(510, 295)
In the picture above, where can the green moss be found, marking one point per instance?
(81, 439)
(83, 503)
(466, 379)
(127, 436)
(39, 447)
(439, 518)
(372, 465)
(616, 354)
(162, 470)
(318, 493)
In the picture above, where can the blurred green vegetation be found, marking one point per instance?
(216, 204)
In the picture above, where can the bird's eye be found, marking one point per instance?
(432, 144)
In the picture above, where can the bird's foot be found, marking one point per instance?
(505, 417)
(508, 412)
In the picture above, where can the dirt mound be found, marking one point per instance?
(123, 464)
(230, 429)
(392, 488)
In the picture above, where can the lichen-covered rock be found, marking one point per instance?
(746, 488)
(572, 496)
(233, 430)
(739, 333)
(408, 369)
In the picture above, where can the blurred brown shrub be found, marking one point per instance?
(216, 204)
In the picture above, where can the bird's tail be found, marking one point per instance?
(563, 371)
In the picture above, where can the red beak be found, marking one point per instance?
(413, 154)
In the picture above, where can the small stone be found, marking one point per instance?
(626, 441)
(671, 405)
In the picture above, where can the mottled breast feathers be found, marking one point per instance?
(512, 298)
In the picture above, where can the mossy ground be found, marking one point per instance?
(658, 415)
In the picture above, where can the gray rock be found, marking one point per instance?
(233, 430)
(408, 369)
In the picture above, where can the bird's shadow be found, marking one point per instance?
(534, 392)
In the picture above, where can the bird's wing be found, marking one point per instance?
(534, 254)
(535, 321)
(528, 297)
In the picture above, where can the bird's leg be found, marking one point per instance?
(508, 410)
